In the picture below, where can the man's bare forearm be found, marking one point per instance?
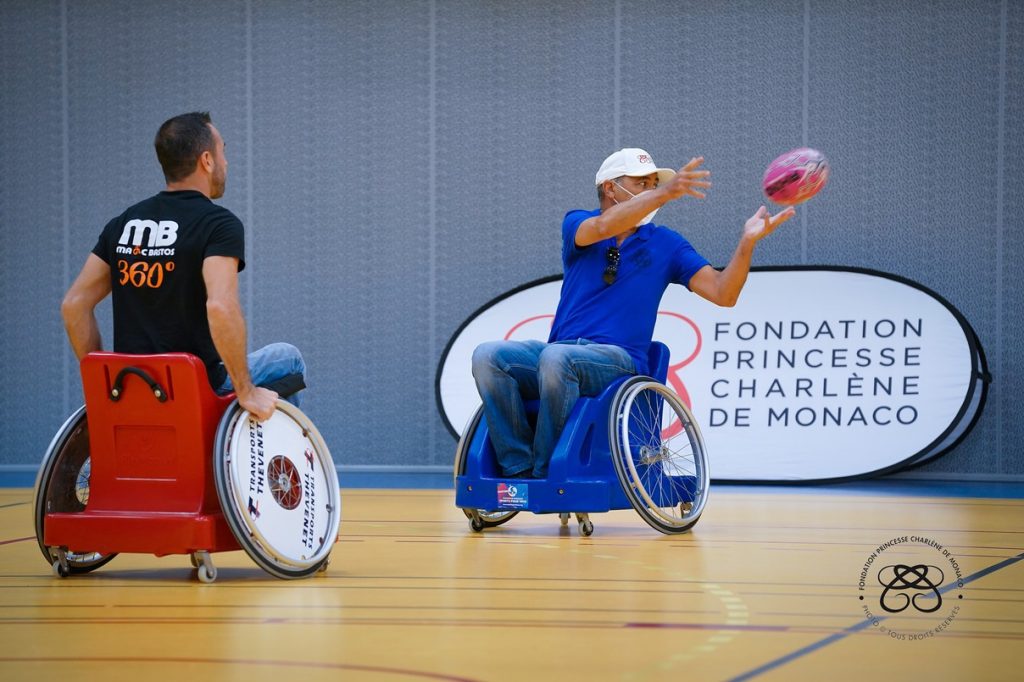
(82, 330)
(79, 305)
(227, 327)
(623, 217)
(732, 279)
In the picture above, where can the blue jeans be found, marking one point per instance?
(271, 363)
(509, 372)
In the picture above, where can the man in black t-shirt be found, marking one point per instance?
(172, 264)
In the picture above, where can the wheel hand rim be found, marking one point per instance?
(655, 429)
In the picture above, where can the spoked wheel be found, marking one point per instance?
(659, 455)
(278, 488)
(62, 486)
(478, 518)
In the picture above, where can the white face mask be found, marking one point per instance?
(647, 218)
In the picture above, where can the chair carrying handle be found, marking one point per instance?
(115, 393)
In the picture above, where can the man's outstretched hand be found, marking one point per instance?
(260, 402)
(688, 181)
(762, 223)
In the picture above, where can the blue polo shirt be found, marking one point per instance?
(623, 313)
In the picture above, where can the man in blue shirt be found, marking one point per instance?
(617, 265)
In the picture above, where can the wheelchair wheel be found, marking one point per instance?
(62, 486)
(478, 518)
(659, 455)
(278, 489)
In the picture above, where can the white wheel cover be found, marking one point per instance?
(284, 486)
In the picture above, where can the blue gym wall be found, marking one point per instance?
(398, 163)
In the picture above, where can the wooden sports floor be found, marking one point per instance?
(765, 587)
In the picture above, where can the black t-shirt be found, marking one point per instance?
(155, 251)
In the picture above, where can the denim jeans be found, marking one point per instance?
(271, 363)
(509, 372)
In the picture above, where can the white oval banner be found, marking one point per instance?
(817, 373)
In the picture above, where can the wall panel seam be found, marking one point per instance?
(1000, 162)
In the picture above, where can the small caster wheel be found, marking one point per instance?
(61, 567)
(205, 570)
(586, 525)
(477, 524)
(193, 560)
(564, 518)
(324, 565)
(207, 573)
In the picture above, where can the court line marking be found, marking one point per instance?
(363, 607)
(7, 542)
(966, 531)
(233, 661)
(711, 626)
(831, 639)
(724, 634)
(134, 581)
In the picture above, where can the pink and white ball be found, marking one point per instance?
(796, 176)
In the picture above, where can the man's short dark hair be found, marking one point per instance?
(181, 141)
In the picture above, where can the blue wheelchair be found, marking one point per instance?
(634, 445)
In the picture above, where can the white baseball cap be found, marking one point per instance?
(633, 162)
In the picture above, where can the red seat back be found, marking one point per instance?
(149, 455)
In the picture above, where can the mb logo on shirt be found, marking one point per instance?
(158, 236)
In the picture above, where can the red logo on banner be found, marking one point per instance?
(673, 379)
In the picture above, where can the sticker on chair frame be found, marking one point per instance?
(513, 495)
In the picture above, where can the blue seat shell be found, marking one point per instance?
(581, 476)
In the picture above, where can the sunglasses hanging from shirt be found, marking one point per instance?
(612, 269)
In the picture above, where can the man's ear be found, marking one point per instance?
(206, 161)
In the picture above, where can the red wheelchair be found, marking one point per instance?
(157, 463)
